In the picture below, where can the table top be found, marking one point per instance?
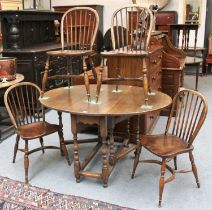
(128, 101)
(19, 78)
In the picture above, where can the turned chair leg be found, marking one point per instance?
(41, 143)
(194, 168)
(175, 162)
(63, 147)
(136, 160)
(16, 147)
(26, 161)
(162, 181)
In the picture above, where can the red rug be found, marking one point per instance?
(16, 195)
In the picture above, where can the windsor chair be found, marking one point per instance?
(22, 102)
(78, 32)
(131, 28)
(187, 115)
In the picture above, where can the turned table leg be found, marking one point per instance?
(103, 134)
(77, 167)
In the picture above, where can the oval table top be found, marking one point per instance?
(126, 102)
(19, 78)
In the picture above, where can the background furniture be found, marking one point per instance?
(27, 35)
(181, 130)
(185, 44)
(6, 127)
(111, 108)
(163, 21)
(209, 57)
(165, 64)
(28, 117)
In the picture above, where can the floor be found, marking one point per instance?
(51, 170)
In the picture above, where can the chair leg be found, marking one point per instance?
(136, 160)
(197, 76)
(61, 129)
(16, 147)
(63, 147)
(162, 181)
(194, 168)
(26, 161)
(41, 143)
(175, 162)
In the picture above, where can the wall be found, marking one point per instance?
(111, 5)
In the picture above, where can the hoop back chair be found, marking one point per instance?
(187, 115)
(79, 27)
(184, 41)
(22, 102)
(209, 56)
(131, 28)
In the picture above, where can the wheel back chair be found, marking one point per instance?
(78, 32)
(188, 45)
(187, 115)
(209, 57)
(28, 117)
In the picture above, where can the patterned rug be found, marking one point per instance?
(19, 196)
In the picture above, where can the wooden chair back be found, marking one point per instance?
(188, 112)
(79, 27)
(210, 44)
(131, 28)
(183, 33)
(23, 105)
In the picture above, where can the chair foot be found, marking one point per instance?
(159, 204)
(194, 168)
(16, 147)
(136, 160)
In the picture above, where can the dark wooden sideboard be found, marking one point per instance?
(27, 35)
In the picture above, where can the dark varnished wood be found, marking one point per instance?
(111, 108)
(28, 118)
(188, 113)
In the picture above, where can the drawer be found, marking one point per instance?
(155, 59)
(155, 80)
(164, 19)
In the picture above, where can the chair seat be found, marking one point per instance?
(165, 145)
(70, 52)
(193, 60)
(36, 130)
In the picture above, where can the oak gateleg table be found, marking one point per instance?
(113, 106)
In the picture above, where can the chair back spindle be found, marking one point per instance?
(131, 28)
(189, 110)
(79, 27)
(23, 105)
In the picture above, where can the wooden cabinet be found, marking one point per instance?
(163, 20)
(27, 35)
